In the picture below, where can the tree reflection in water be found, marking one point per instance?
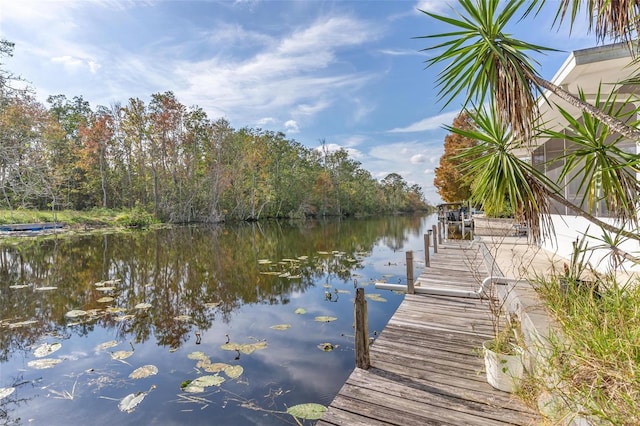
(193, 277)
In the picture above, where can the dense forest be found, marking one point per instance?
(175, 162)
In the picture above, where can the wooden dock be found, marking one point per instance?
(426, 365)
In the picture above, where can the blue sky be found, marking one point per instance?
(347, 72)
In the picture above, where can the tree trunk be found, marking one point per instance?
(560, 199)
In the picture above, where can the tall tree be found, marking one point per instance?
(450, 180)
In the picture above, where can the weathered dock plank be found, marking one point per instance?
(426, 365)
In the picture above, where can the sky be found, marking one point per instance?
(351, 74)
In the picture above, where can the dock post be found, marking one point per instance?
(427, 257)
(410, 287)
(362, 331)
(435, 230)
(440, 230)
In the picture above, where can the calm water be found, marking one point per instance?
(203, 287)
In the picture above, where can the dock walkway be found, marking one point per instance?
(426, 365)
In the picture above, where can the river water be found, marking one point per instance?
(128, 324)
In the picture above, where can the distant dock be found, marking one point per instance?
(25, 227)
(426, 365)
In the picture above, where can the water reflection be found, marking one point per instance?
(200, 284)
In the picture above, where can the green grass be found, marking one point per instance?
(596, 356)
(94, 217)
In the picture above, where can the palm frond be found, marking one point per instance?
(481, 60)
(501, 177)
(594, 160)
(617, 20)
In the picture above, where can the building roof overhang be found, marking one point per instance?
(606, 67)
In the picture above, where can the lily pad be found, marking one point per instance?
(41, 364)
(263, 261)
(75, 313)
(105, 289)
(202, 382)
(16, 287)
(300, 311)
(309, 411)
(247, 348)
(5, 392)
(341, 291)
(233, 371)
(210, 367)
(324, 318)
(46, 288)
(143, 306)
(22, 323)
(184, 318)
(327, 347)
(131, 401)
(281, 327)
(106, 345)
(375, 297)
(105, 299)
(199, 355)
(121, 354)
(211, 305)
(124, 317)
(46, 349)
(144, 371)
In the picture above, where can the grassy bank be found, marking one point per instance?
(73, 218)
(596, 356)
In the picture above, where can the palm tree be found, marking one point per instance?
(617, 20)
(501, 175)
(483, 60)
(487, 63)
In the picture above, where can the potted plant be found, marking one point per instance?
(502, 354)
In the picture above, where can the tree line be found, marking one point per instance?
(171, 160)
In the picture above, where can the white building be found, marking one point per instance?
(586, 69)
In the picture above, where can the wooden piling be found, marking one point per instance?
(427, 255)
(436, 231)
(362, 331)
(410, 287)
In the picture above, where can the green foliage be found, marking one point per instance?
(166, 161)
(137, 218)
(504, 182)
(597, 160)
(482, 61)
(596, 359)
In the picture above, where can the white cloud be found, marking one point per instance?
(362, 109)
(401, 52)
(354, 140)
(333, 147)
(265, 121)
(429, 171)
(418, 158)
(291, 126)
(74, 63)
(296, 74)
(435, 6)
(429, 123)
